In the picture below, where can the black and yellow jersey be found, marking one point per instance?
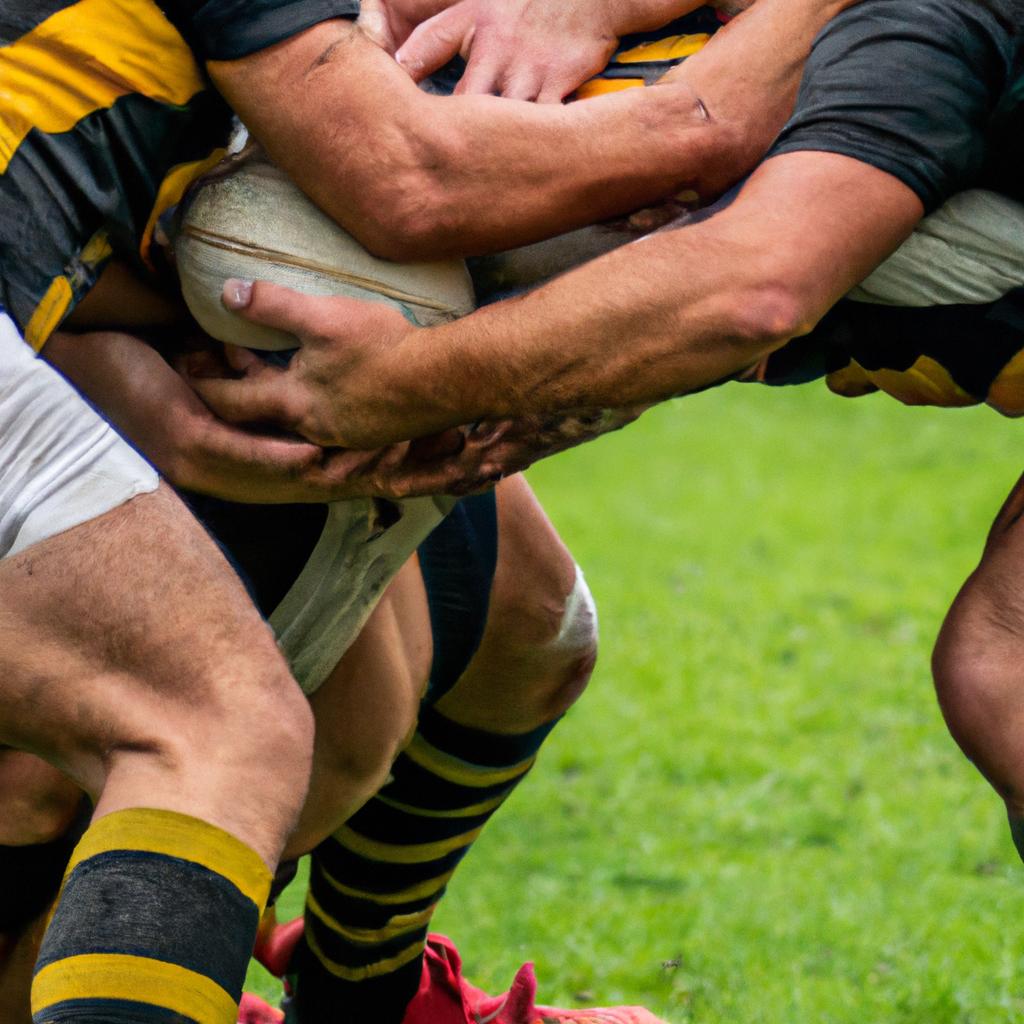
(955, 355)
(106, 116)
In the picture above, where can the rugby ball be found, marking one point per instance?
(250, 221)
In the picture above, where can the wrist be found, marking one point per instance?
(434, 387)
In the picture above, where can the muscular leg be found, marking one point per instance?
(540, 644)
(979, 662)
(365, 714)
(133, 661)
(375, 883)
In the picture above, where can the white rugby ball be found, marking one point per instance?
(252, 222)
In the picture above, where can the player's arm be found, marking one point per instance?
(151, 405)
(855, 169)
(667, 315)
(413, 175)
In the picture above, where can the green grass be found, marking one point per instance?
(755, 813)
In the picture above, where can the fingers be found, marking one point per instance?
(241, 360)
(523, 84)
(437, 40)
(267, 396)
(482, 77)
(275, 306)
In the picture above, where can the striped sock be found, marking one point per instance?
(154, 924)
(375, 883)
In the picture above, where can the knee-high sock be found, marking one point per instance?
(375, 883)
(155, 923)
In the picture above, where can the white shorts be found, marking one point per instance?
(61, 464)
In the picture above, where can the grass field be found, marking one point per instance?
(755, 813)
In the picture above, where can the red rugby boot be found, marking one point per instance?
(445, 997)
(275, 944)
(253, 1010)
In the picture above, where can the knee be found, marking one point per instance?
(241, 730)
(977, 668)
(355, 766)
(555, 638)
(267, 723)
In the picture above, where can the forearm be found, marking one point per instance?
(434, 176)
(672, 313)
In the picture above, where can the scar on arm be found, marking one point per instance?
(324, 58)
(347, 34)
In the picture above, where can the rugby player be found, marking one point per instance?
(94, 155)
(157, 730)
(899, 110)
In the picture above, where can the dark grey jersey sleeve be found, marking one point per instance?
(908, 87)
(229, 29)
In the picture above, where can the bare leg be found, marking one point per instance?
(374, 884)
(133, 661)
(171, 668)
(979, 661)
(366, 710)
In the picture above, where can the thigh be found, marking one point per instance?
(112, 632)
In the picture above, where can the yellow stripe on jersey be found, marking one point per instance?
(84, 58)
(925, 383)
(57, 300)
(603, 86)
(672, 48)
(172, 188)
(51, 310)
(178, 835)
(135, 979)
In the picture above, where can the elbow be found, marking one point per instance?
(413, 222)
(762, 318)
(410, 205)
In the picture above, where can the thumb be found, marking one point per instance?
(436, 41)
(272, 305)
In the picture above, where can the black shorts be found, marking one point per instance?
(269, 545)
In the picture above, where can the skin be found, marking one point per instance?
(977, 661)
(520, 678)
(151, 722)
(448, 176)
(753, 281)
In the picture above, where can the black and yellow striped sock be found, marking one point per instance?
(374, 884)
(154, 924)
